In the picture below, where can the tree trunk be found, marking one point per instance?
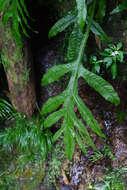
(19, 72)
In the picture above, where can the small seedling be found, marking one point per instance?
(96, 64)
(113, 55)
(113, 181)
(106, 152)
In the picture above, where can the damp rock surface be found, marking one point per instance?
(119, 146)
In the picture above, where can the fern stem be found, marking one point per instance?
(86, 35)
(73, 80)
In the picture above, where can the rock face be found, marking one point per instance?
(119, 146)
(43, 62)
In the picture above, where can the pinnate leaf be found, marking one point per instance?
(74, 43)
(3, 4)
(63, 23)
(97, 30)
(80, 143)
(24, 8)
(70, 120)
(59, 132)
(55, 73)
(82, 130)
(82, 12)
(53, 103)
(87, 116)
(53, 118)
(100, 85)
(101, 10)
(121, 7)
(69, 143)
(17, 12)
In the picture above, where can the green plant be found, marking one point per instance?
(15, 11)
(26, 137)
(101, 11)
(105, 152)
(112, 55)
(114, 180)
(121, 7)
(95, 64)
(6, 110)
(79, 17)
(19, 171)
(55, 164)
(121, 115)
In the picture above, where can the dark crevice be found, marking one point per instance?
(44, 16)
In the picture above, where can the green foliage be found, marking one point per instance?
(6, 110)
(113, 181)
(82, 13)
(20, 172)
(121, 115)
(121, 7)
(98, 31)
(70, 98)
(112, 55)
(101, 11)
(63, 23)
(9, 181)
(95, 64)
(27, 137)
(16, 12)
(70, 19)
(55, 164)
(105, 152)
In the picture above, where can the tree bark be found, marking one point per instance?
(19, 72)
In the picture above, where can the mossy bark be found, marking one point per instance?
(19, 73)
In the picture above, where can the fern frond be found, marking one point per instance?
(63, 23)
(6, 110)
(16, 12)
(82, 13)
(53, 103)
(100, 85)
(121, 7)
(70, 98)
(74, 43)
(97, 30)
(55, 73)
(101, 10)
(3, 4)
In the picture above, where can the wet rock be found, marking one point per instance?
(65, 187)
(119, 146)
(43, 62)
(76, 173)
